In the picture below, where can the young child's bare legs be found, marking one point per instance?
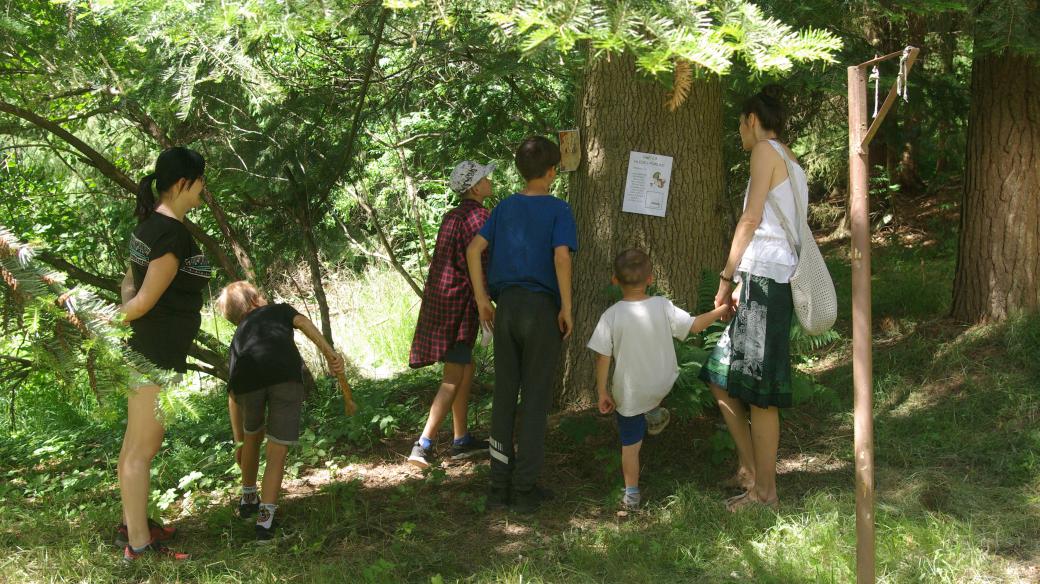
(736, 417)
(630, 464)
(631, 430)
(447, 396)
(460, 407)
(273, 472)
(250, 459)
(237, 432)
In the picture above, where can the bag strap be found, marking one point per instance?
(788, 231)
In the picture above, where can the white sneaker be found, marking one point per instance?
(656, 420)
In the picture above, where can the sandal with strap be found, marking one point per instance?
(158, 531)
(744, 501)
(129, 555)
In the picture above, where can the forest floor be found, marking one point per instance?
(957, 432)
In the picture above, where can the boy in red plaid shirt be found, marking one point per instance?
(447, 326)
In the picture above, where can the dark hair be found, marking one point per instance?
(632, 267)
(535, 156)
(171, 166)
(767, 105)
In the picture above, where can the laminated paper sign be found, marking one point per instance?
(646, 190)
(570, 150)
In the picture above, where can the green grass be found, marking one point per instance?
(957, 430)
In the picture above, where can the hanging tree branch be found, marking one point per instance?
(95, 159)
(355, 127)
(391, 255)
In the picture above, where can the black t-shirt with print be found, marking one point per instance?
(165, 333)
(263, 351)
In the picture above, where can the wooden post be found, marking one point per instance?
(862, 365)
(860, 136)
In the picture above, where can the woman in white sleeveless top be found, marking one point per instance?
(750, 368)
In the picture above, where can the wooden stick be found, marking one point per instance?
(879, 59)
(349, 407)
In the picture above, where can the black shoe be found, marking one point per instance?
(497, 498)
(421, 457)
(247, 510)
(264, 534)
(470, 449)
(531, 500)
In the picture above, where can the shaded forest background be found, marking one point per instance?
(329, 130)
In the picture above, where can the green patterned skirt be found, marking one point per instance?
(752, 360)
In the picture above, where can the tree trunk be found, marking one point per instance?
(997, 266)
(618, 113)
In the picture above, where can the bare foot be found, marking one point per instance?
(748, 499)
(743, 480)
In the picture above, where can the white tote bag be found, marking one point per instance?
(815, 302)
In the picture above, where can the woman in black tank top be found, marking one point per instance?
(162, 300)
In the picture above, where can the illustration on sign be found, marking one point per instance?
(646, 190)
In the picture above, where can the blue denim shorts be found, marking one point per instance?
(631, 428)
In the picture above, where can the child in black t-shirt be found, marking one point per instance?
(266, 390)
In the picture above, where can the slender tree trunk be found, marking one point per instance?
(998, 270)
(617, 113)
(314, 262)
(413, 196)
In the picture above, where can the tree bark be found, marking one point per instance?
(997, 265)
(619, 113)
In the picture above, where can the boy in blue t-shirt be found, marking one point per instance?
(529, 237)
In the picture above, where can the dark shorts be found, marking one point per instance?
(631, 428)
(277, 408)
(460, 353)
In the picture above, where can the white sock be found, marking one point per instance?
(266, 515)
(249, 494)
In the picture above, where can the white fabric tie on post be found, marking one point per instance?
(902, 83)
(875, 76)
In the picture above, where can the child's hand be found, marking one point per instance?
(487, 312)
(335, 363)
(724, 313)
(606, 403)
(566, 322)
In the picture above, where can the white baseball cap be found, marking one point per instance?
(467, 174)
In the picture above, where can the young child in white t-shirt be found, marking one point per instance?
(637, 333)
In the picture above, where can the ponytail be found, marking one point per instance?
(145, 198)
(173, 164)
(768, 107)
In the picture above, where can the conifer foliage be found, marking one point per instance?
(64, 330)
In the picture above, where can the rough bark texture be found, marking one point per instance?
(997, 262)
(618, 112)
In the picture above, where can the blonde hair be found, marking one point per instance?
(237, 299)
